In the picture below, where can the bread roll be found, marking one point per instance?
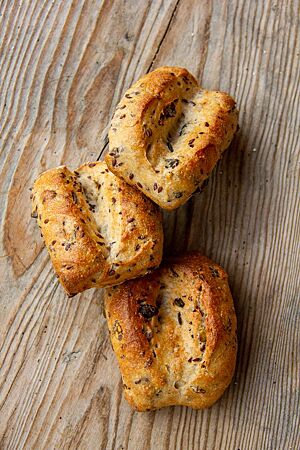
(98, 230)
(167, 135)
(174, 334)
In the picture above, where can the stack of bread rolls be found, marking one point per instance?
(172, 323)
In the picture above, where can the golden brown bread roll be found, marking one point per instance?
(174, 334)
(167, 135)
(98, 230)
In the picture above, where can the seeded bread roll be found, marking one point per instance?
(167, 135)
(174, 334)
(98, 230)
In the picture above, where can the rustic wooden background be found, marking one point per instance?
(63, 67)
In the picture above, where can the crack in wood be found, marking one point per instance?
(164, 35)
(103, 148)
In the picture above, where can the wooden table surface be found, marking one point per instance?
(63, 67)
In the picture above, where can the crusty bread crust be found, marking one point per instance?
(174, 334)
(98, 230)
(167, 135)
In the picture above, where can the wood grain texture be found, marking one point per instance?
(63, 67)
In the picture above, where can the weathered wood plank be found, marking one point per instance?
(63, 68)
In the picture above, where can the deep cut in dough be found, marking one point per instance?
(99, 231)
(174, 334)
(167, 135)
